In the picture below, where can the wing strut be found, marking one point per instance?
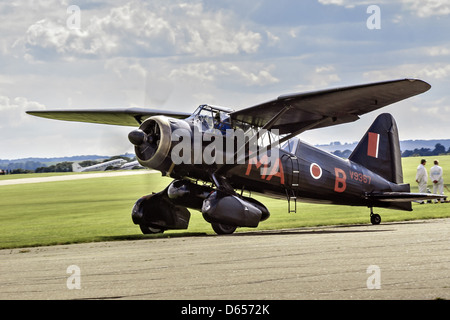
(138, 119)
(267, 126)
(295, 133)
(218, 175)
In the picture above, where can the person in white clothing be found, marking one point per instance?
(436, 176)
(422, 177)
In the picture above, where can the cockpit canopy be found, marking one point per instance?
(212, 117)
(207, 118)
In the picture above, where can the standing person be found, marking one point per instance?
(422, 177)
(436, 176)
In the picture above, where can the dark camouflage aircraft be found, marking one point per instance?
(216, 153)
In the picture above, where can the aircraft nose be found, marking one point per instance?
(137, 137)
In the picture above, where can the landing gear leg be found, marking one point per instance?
(374, 217)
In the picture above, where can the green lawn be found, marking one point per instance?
(99, 209)
(410, 166)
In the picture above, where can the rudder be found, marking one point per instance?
(379, 149)
(76, 167)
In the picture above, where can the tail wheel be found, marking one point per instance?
(375, 218)
(220, 228)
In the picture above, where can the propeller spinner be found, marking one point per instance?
(152, 141)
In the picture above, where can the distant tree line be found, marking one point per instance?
(67, 166)
(59, 167)
(39, 167)
(439, 149)
(20, 167)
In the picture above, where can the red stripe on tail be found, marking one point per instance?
(373, 144)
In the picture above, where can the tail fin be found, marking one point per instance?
(379, 149)
(76, 167)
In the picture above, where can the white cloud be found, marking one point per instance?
(438, 71)
(319, 77)
(24, 135)
(436, 51)
(335, 2)
(351, 3)
(425, 71)
(324, 69)
(214, 71)
(260, 77)
(206, 71)
(13, 111)
(137, 29)
(428, 8)
(272, 39)
(422, 9)
(176, 54)
(346, 3)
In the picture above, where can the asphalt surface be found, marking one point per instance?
(9, 182)
(404, 260)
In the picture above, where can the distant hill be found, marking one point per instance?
(34, 163)
(417, 144)
(404, 145)
(340, 149)
(56, 159)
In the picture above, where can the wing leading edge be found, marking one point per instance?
(291, 113)
(324, 108)
(120, 117)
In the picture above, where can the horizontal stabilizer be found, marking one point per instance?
(404, 196)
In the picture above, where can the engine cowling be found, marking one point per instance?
(153, 141)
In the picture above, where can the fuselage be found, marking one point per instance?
(313, 175)
(205, 145)
(307, 173)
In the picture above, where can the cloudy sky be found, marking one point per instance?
(176, 55)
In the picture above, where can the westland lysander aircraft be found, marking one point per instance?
(372, 175)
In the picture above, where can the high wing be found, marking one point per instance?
(291, 113)
(294, 113)
(122, 117)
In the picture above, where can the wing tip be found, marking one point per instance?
(422, 85)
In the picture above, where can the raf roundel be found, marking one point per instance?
(315, 170)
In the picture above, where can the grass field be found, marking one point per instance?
(99, 209)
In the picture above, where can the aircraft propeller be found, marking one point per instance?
(146, 140)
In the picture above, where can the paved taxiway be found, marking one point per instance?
(9, 182)
(305, 263)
